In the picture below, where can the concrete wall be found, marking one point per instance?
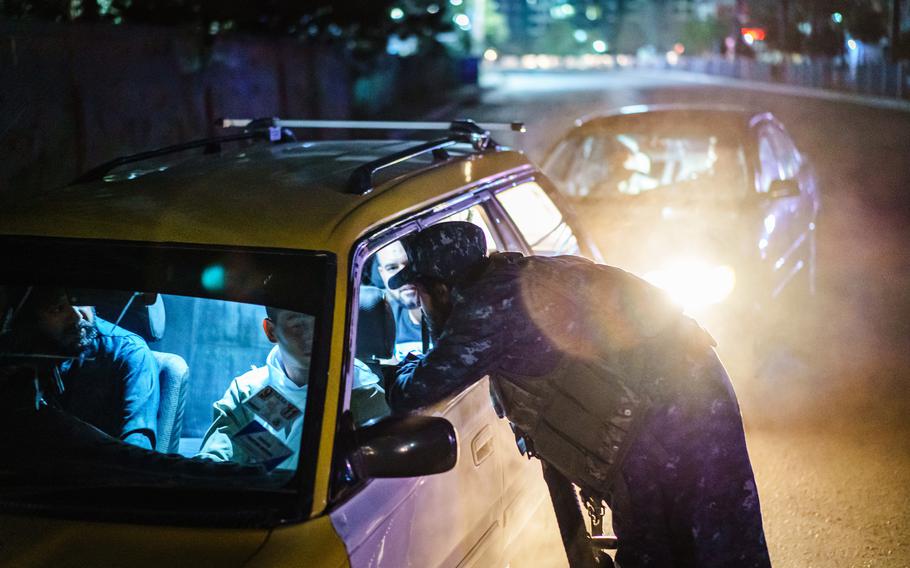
(73, 96)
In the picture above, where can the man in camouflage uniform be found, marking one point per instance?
(607, 383)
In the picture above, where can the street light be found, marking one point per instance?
(462, 21)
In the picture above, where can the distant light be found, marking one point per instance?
(396, 14)
(758, 34)
(592, 13)
(581, 36)
(748, 39)
(433, 9)
(837, 17)
(763, 244)
(562, 11)
(672, 58)
(599, 46)
(851, 43)
(462, 21)
(770, 223)
(213, 278)
(805, 28)
(456, 2)
(679, 48)
(490, 54)
(401, 47)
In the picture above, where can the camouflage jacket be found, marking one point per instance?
(522, 315)
(576, 352)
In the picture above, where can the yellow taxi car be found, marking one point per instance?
(246, 284)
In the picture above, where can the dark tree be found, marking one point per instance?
(359, 25)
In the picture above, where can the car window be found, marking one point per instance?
(479, 217)
(389, 320)
(209, 357)
(787, 155)
(768, 162)
(564, 160)
(578, 165)
(539, 220)
(778, 157)
(638, 157)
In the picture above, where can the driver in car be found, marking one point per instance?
(259, 419)
(84, 365)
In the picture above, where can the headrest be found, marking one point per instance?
(144, 313)
(375, 326)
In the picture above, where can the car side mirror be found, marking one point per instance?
(403, 446)
(783, 188)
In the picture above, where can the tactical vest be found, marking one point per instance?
(583, 416)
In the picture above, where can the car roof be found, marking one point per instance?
(290, 195)
(730, 113)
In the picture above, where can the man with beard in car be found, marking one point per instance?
(85, 366)
(605, 381)
(404, 301)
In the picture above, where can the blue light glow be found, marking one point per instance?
(213, 278)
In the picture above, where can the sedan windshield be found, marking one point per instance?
(156, 367)
(642, 157)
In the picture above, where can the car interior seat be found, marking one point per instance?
(173, 379)
(375, 328)
(143, 314)
(375, 342)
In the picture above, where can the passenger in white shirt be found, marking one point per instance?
(260, 417)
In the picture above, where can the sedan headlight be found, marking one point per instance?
(694, 284)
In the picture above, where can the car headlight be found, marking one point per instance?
(694, 284)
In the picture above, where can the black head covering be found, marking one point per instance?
(445, 252)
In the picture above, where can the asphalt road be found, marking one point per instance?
(828, 422)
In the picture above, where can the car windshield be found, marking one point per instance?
(639, 157)
(131, 365)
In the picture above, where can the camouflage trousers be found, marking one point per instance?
(687, 495)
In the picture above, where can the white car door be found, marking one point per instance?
(451, 519)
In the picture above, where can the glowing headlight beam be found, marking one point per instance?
(694, 285)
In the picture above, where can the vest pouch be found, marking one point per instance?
(578, 466)
(579, 418)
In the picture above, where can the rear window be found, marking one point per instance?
(159, 368)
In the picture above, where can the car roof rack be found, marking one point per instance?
(367, 124)
(463, 131)
(211, 146)
(361, 179)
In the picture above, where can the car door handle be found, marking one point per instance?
(482, 445)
